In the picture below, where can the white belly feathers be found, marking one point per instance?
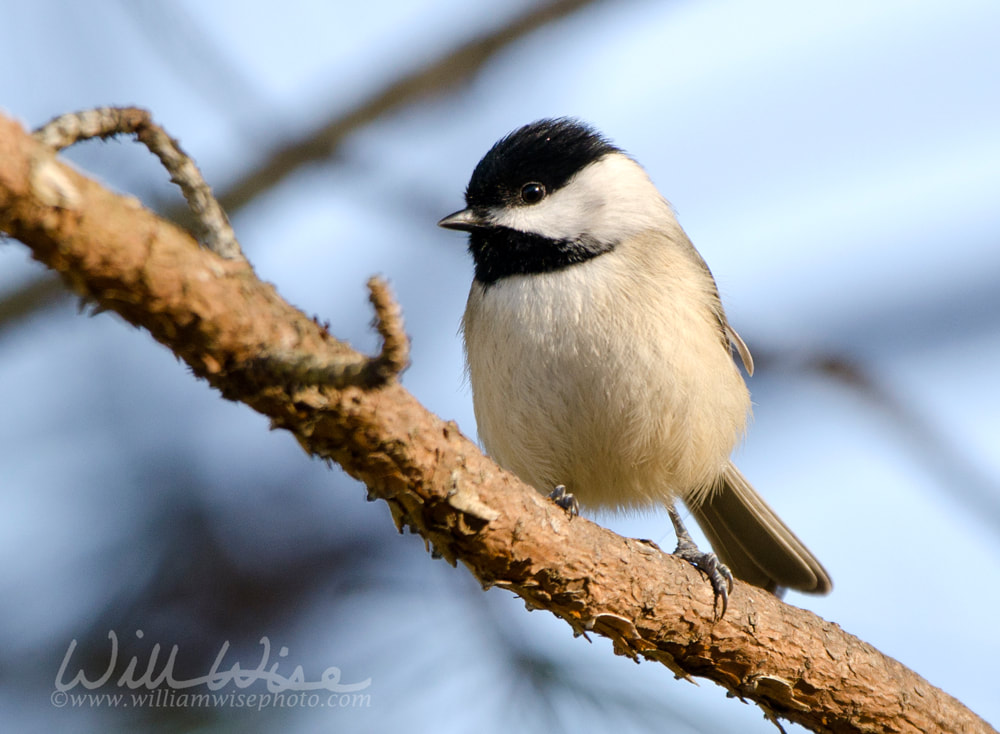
(621, 422)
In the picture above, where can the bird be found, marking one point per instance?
(602, 365)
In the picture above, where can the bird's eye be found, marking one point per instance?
(532, 193)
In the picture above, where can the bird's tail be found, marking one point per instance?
(752, 540)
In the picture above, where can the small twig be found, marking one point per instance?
(340, 371)
(395, 354)
(333, 369)
(215, 233)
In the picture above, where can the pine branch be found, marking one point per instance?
(232, 329)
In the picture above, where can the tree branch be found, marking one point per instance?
(214, 229)
(229, 326)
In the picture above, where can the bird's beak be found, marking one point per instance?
(465, 220)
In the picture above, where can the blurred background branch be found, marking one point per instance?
(437, 77)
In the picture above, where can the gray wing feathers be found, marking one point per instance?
(752, 540)
(741, 347)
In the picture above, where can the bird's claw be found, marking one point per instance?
(709, 564)
(565, 500)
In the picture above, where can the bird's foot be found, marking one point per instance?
(709, 564)
(565, 500)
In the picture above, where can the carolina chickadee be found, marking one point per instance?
(599, 353)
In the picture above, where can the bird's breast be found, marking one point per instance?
(614, 383)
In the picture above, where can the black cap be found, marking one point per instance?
(548, 151)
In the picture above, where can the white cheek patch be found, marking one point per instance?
(608, 201)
